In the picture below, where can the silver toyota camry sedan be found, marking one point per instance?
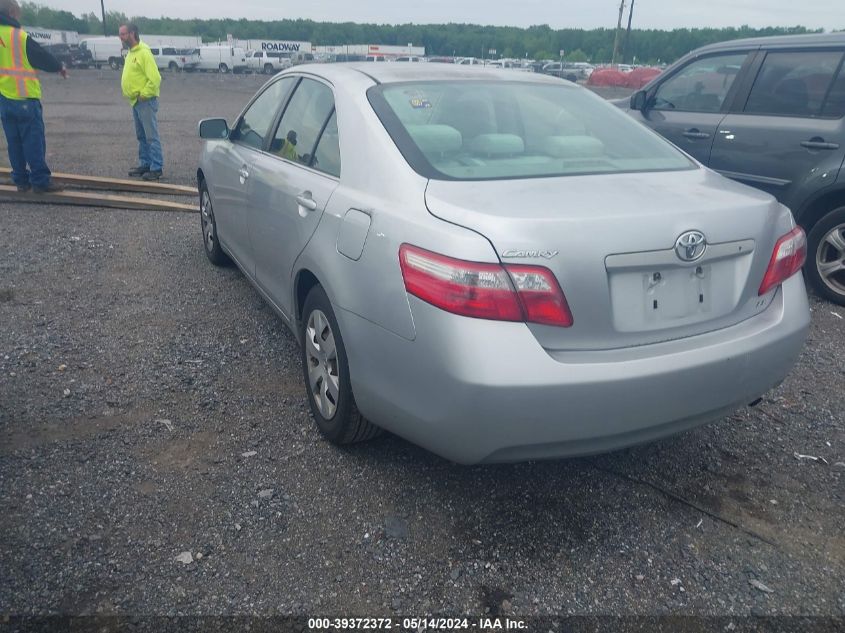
(498, 266)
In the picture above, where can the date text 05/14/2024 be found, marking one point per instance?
(419, 624)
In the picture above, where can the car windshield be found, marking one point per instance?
(477, 130)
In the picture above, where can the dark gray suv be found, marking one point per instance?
(768, 112)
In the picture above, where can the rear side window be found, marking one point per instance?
(834, 105)
(795, 84)
(327, 154)
(303, 121)
(700, 86)
(256, 121)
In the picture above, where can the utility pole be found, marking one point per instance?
(103, 8)
(618, 29)
(625, 49)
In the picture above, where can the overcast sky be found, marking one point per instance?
(587, 14)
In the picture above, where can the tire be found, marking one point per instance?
(173, 67)
(223, 68)
(114, 63)
(326, 371)
(268, 69)
(825, 265)
(210, 241)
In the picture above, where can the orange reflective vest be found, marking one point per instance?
(18, 80)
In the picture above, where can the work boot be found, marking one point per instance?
(139, 171)
(50, 188)
(151, 174)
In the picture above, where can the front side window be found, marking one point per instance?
(255, 123)
(302, 122)
(795, 84)
(476, 130)
(700, 86)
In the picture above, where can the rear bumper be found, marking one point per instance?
(481, 391)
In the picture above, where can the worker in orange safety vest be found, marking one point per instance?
(20, 100)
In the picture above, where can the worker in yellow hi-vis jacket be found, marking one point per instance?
(141, 85)
(20, 100)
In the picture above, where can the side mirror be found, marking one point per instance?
(639, 101)
(213, 129)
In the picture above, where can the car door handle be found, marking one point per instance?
(305, 200)
(695, 133)
(819, 143)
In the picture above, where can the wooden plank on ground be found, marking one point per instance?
(86, 199)
(116, 184)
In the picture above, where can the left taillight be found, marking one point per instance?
(788, 257)
(529, 294)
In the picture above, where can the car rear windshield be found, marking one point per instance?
(480, 130)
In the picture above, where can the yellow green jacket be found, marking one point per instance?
(140, 75)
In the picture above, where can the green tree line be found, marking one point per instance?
(536, 42)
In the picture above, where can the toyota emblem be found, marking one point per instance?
(690, 246)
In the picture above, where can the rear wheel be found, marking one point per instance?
(114, 62)
(173, 66)
(223, 68)
(268, 69)
(213, 250)
(326, 373)
(826, 256)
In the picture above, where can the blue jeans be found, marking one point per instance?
(23, 124)
(146, 131)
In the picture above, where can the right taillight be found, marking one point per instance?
(787, 259)
(529, 294)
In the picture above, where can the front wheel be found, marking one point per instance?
(173, 66)
(268, 69)
(826, 256)
(326, 373)
(210, 241)
(114, 63)
(223, 68)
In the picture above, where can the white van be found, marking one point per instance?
(102, 51)
(223, 59)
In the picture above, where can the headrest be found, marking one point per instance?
(497, 144)
(435, 138)
(573, 146)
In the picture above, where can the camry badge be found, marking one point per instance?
(690, 246)
(514, 253)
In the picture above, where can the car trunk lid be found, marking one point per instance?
(612, 243)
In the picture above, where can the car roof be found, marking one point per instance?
(808, 40)
(397, 73)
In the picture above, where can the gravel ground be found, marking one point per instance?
(157, 456)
